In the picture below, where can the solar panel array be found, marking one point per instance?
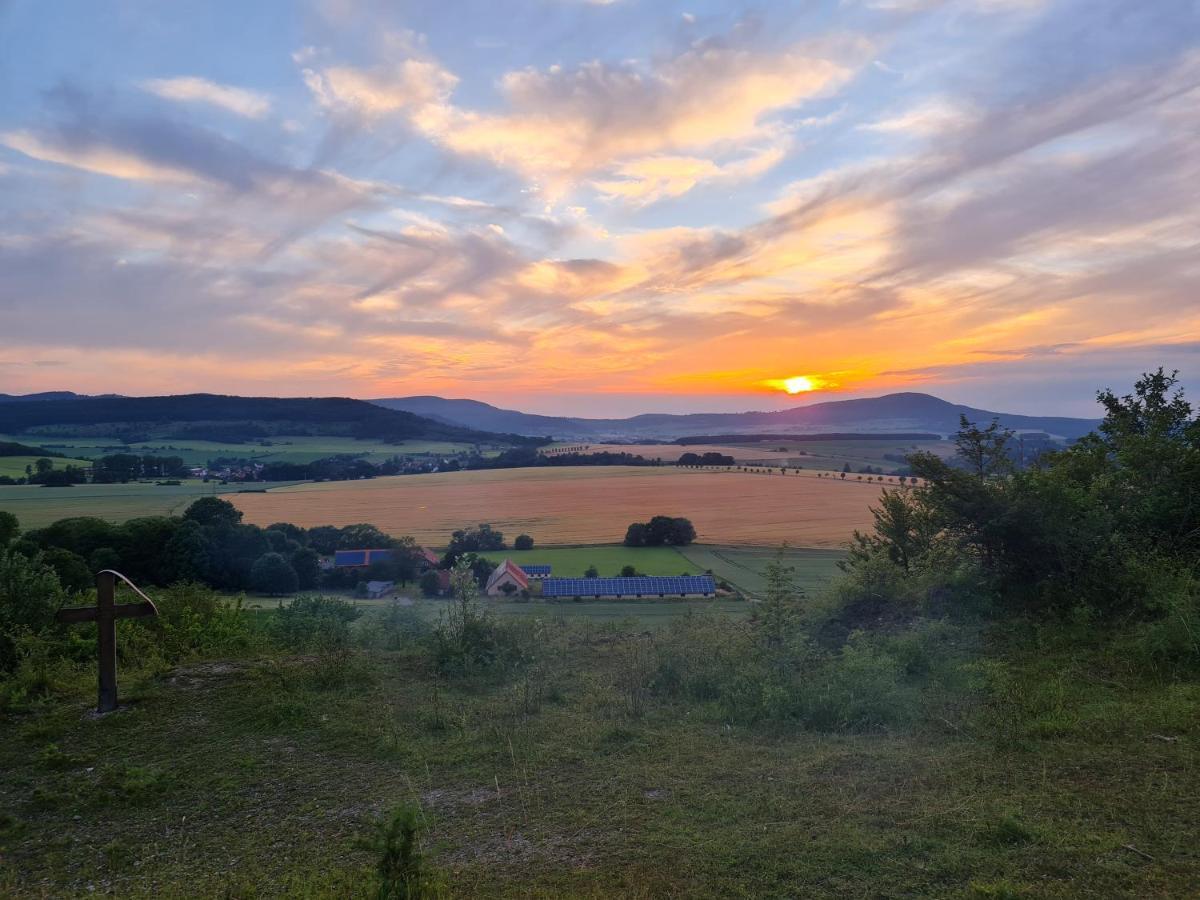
(538, 570)
(360, 557)
(640, 586)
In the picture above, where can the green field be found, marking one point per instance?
(743, 567)
(36, 506)
(288, 448)
(14, 466)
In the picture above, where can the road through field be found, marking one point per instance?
(582, 505)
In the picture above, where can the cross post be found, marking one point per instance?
(105, 614)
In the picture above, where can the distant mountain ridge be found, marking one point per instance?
(230, 418)
(900, 412)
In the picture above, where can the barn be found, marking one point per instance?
(636, 587)
(536, 571)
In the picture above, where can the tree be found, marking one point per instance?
(431, 584)
(308, 567)
(213, 511)
(628, 572)
(9, 528)
(780, 607)
(591, 572)
(324, 539)
(523, 542)
(475, 540)
(43, 465)
(363, 537)
(272, 574)
(902, 529)
(635, 535)
(71, 568)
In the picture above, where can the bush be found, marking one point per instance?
(310, 621)
(30, 594)
(523, 542)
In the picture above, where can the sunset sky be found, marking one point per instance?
(601, 208)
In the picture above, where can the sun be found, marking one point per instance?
(800, 384)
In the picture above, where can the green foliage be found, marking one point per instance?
(400, 869)
(523, 542)
(273, 574)
(430, 584)
(210, 511)
(72, 570)
(661, 531)
(475, 540)
(30, 593)
(468, 640)
(9, 528)
(310, 621)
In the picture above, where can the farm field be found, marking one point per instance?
(36, 506)
(572, 562)
(14, 466)
(583, 505)
(828, 455)
(295, 449)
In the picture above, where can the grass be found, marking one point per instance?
(254, 778)
(14, 466)
(37, 506)
(743, 567)
(584, 505)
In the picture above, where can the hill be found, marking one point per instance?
(230, 419)
(901, 412)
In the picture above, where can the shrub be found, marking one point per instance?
(400, 870)
(310, 621)
(523, 542)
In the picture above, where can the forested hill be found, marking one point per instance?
(901, 412)
(227, 418)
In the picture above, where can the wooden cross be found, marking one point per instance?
(105, 614)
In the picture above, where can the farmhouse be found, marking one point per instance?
(377, 589)
(427, 559)
(639, 586)
(354, 559)
(508, 578)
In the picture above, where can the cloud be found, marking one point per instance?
(240, 101)
(562, 124)
(652, 178)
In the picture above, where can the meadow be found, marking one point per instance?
(36, 506)
(1021, 775)
(288, 448)
(583, 505)
(14, 466)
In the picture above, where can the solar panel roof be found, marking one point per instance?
(640, 586)
(536, 569)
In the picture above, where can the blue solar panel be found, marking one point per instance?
(640, 586)
(535, 569)
(360, 557)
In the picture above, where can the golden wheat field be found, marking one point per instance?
(581, 505)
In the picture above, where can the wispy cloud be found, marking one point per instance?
(190, 89)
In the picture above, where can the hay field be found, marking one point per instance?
(582, 505)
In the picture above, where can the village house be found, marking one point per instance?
(507, 579)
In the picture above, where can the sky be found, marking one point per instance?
(601, 208)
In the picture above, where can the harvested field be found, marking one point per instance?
(582, 505)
